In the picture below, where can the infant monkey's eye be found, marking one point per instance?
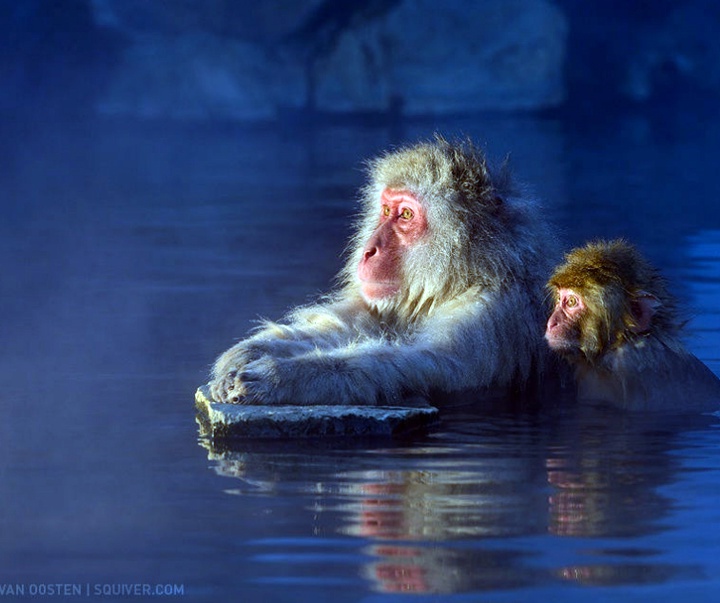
(571, 301)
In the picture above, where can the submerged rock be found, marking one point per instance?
(227, 421)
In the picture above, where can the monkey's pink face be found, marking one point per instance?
(562, 332)
(402, 223)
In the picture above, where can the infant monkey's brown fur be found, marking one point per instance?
(616, 323)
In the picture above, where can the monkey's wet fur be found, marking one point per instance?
(616, 324)
(443, 293)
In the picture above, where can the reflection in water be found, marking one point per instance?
(471, 508)
(426, 569)
(606, 483)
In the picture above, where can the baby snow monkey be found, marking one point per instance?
(616, 324)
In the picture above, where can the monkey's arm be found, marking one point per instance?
(467, 345)
(316, 327)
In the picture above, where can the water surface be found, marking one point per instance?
(133, 254)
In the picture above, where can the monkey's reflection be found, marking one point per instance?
(478, 508)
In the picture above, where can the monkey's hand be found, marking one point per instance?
(257, 382)
(227, 386)
(247, 381)
(250, 361)
(225, 383)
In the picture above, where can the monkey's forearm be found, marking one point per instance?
(314, 327)
(371, 373)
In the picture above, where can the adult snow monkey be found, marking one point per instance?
(443, 293)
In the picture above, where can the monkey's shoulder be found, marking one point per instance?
(652, 375)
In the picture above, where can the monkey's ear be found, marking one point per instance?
(643, 306)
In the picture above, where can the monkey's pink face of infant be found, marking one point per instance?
(402, 223)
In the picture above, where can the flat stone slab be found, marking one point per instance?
(228, 421)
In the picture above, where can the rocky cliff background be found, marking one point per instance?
(230, 60)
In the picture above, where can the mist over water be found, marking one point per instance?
(134, 253)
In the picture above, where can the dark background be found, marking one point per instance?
(69, 57)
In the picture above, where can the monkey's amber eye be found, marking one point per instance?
(386, 210)
(407, 214)
(571, 301)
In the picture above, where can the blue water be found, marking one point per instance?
(133, 253)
